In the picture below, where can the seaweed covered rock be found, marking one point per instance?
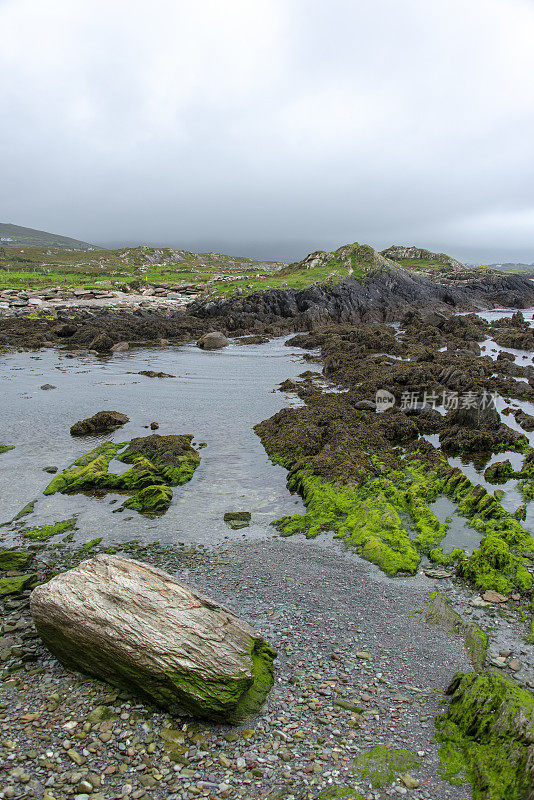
(499, 472)
(172, 456)
(488, 734)
(13, 559)
(102, 343)
(150, 500)
(138, 628)
(101, 422)
(157, 462)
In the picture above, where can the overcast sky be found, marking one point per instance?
(271, 127)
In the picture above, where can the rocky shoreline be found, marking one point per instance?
(360, 676)
(383, 295)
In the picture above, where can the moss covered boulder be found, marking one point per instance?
(150, 500)
(156, 461)
(138, 628)
(12, 559)
(487, 735)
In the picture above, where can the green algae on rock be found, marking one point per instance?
(440, 612)
(237, 519)
(381, 765)
(13, 559)
(5, 447)
(16, 584)
(487, 734)
(150, 500)
(371, 479)
(47, 531)
(157, 462)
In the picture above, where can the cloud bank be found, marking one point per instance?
(271, 127)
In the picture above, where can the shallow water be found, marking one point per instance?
(217, 396)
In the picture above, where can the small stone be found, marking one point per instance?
(409, 782)
(490, 596)
(76, 757)
(364, 656)
(514, 664)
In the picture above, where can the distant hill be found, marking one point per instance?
(17, 236)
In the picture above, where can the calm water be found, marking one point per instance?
(216, 396)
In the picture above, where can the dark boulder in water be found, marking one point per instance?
(102, 422)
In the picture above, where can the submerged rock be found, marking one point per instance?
(213, 341)
(237, 519)
(137, 627)
(101, 422)
(149, 373)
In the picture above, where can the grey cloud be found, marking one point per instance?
(273, 127)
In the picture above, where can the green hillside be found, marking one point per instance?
(17, 236)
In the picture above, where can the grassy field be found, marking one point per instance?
(135, 268)
(39, 267)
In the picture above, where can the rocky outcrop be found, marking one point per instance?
(420, 254)
(137, 627)
(101, 422)
(383, 295)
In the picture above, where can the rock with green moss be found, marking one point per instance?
(48, 531)
(440, 612)
(12, 559)
(487, 735)
(381, 765)
(4, 448)
(16, 584)
(150, 500)
(138, 628)
(499, 472)
(172, 457)
(237, 519)
(156, 461)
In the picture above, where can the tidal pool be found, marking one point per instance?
(217, 396)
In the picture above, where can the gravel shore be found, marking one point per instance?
(357, 667)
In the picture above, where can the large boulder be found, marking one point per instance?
(213, 341)
(101, 422)
(139, 628)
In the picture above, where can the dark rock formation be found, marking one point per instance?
(101, 422)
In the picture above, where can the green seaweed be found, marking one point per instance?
(150, 500)
(16, 584)
(4, 448)
(47, 531)
(157, 462)
(12, 559)
(486, 734)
